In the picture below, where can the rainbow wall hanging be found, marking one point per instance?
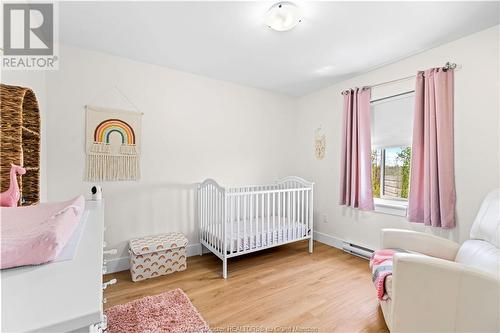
(113, 147)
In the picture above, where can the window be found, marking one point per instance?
(392, 125)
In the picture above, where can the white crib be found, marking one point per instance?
(238, 220)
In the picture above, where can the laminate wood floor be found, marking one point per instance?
(283, 289)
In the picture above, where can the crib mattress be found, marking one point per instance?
(258, 235)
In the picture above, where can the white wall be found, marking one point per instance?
(36, 81)
(193, 128)
(476, 137)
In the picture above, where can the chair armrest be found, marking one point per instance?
(419, 242)
(431, 294)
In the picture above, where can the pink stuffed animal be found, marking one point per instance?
(10, 198)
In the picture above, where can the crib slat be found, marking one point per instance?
(245, 223)
(250, 218)
(238, 226)
(302, 209)
(223, 222)
(262, 220)
(283, 220)
(216, 221)
(256, 218)
(224, 225)
(297, 216)
(279, 216)
(200, 211)
(212, 218)
(207, 224)
(289, 210)
(306, 210)
(203, 210)
(295, 206)
(268, 217)
(299, 213)
(274, 217)
(209, 201)
(219, 221)
(231, 221)
(283, 230)
(210, 212)
(311, 211)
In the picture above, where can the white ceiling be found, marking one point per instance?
(228, 40)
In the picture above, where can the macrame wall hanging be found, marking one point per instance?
(319, 143)
(112, 144)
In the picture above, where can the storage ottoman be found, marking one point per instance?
(152, 256)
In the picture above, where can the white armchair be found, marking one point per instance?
(442, 286)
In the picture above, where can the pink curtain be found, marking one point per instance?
(355, 168)
(432, 185)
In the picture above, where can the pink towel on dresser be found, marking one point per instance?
(36, 234)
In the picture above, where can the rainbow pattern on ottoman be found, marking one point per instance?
(157, 255)
(112, 144)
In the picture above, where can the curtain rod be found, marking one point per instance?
(447, 66)
(392, 96)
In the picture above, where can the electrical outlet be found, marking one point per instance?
(324, 218)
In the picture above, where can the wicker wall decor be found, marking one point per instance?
(20, 140)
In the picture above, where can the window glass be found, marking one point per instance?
(392, 122)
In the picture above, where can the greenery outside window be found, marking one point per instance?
(391, 172)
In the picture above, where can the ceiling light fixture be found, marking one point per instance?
(283, 16)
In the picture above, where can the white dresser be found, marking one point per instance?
(62, 296)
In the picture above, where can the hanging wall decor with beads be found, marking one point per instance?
(319, 144)
(113, 144)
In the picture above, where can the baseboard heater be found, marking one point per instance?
(357, 250)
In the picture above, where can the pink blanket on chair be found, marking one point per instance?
(36, 234)
(381, 265)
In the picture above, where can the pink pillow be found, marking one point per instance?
(36, 234)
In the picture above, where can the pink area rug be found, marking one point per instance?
(170, 312)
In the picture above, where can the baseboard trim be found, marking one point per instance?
(327, 239)
(123, 263)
